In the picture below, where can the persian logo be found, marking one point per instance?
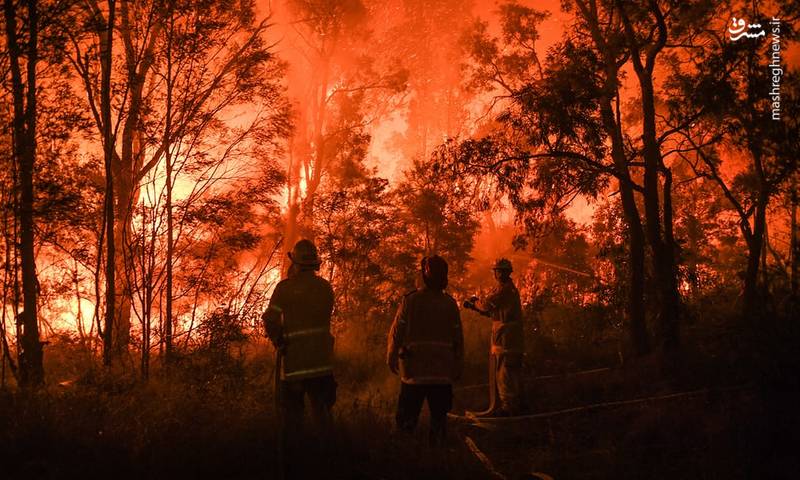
(740, 28)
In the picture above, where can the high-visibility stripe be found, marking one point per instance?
(428, 379)
(307, 331)
(496, 349)
(308, 371)
(276, 308)
(429, 343)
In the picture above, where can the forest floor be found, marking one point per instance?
(707, 413)
(602, 430)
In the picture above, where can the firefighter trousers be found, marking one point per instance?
(505, 383)
(409, 406)
(299, 442)
(321, 392)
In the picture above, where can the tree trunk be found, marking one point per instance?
(661, 243)
(108, 154)
(168, 206)
(670, 320)
(635, 309)
(292, 205)
(752, 301)
(794, 251)
(123, 228)
(127, 170)
(663, 250)
(8, 199)
(24, 93)
(640, 340)
(312, 158)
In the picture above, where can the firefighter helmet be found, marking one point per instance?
(434, 272)
(305, 254)
(503, 264)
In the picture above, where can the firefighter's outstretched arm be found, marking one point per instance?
(396, 336)
(475, 304)
(488, 305)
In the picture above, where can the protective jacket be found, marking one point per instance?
(426, 336)
(505, 308)
(304, 302)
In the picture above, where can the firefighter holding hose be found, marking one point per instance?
(503, 306)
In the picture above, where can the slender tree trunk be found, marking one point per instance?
(6, 350)
(292, 205)
(24, 94)
(753, 303)
(168, 206)
(108, 153)
(30, 285)
(9, 268)
(147, 300)
(663, 249)
(635, 308)
(128, 169)
(127, 198)
(764, 271)
(794, 252)
(661, 243)
(78, 299)
(319, 116)
(640, 339)
(313, 158)
(671, 324)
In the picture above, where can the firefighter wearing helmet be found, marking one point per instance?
(426, 348)
(297, 322)
(503, 306)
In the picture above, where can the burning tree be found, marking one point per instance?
(177, 70)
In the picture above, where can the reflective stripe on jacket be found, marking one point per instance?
(426, 336)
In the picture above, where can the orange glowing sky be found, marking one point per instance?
(384, 154)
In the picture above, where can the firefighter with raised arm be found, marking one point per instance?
(297, 322)
(426, 348)
(503, 306)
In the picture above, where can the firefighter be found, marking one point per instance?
(297, 322)
(503, 306)
(426, 348)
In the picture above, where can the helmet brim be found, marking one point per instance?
(315, 263)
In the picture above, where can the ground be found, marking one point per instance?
(704, 413)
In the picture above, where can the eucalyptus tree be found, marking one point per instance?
(176, 70)
(22, 43)
(736, 144)
(340, 83)
(559, 132)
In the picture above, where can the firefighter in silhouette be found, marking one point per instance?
(503, 306)
(426, 348)
(297, 322)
